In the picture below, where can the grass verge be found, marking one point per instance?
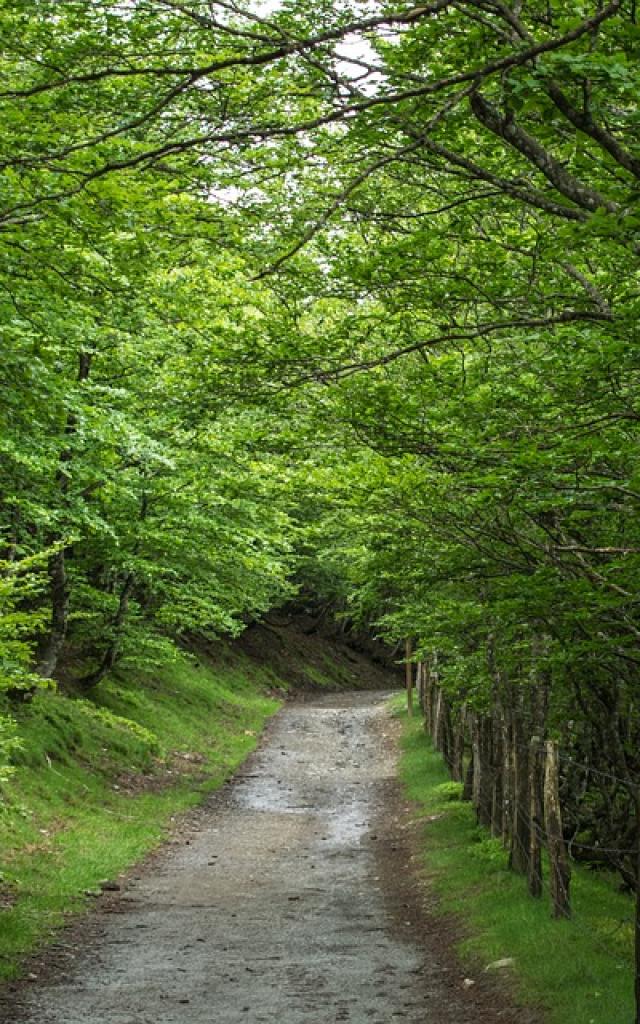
(579, 971)
(96, 783)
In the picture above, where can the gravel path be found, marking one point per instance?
(287, 900)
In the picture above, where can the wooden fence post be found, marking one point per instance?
(560, 870)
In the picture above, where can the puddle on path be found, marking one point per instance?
(272, 910)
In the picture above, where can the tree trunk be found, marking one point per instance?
(541, 685)
(507, 779)
(110, 656)
(436, 726)
(428, 697)
(520, 830)
(486, 778)
(457, 753)
(497, 759)
(447, 734)
(468, 788)
(59, 590)
(559, 863)
(637, 923)
(476, 762)
(494, 740)
(409, 677)
(534, 876)
(482, 781)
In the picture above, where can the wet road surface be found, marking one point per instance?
(275, 906)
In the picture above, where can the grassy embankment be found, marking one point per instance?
(580, 971)
(97, 782)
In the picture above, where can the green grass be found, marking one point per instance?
(580, 971)
(331, 675)
(97, 783)
(318, 678)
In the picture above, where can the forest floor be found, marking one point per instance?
(293, 895)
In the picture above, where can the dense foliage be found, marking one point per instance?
(341, 296)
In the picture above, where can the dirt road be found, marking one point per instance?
(286, 901)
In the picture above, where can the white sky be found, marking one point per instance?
(354, 47)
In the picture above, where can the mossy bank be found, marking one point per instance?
(95, 783)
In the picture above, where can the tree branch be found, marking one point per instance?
(505, 127)
(482, 330)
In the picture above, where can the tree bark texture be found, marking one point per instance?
(59, 591)
(559, 863)
(457, 753)
(534, 876)
(110, 656)
(409, 677)
(519, 851)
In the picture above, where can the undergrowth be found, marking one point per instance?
(95, 783)
(579, 971)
